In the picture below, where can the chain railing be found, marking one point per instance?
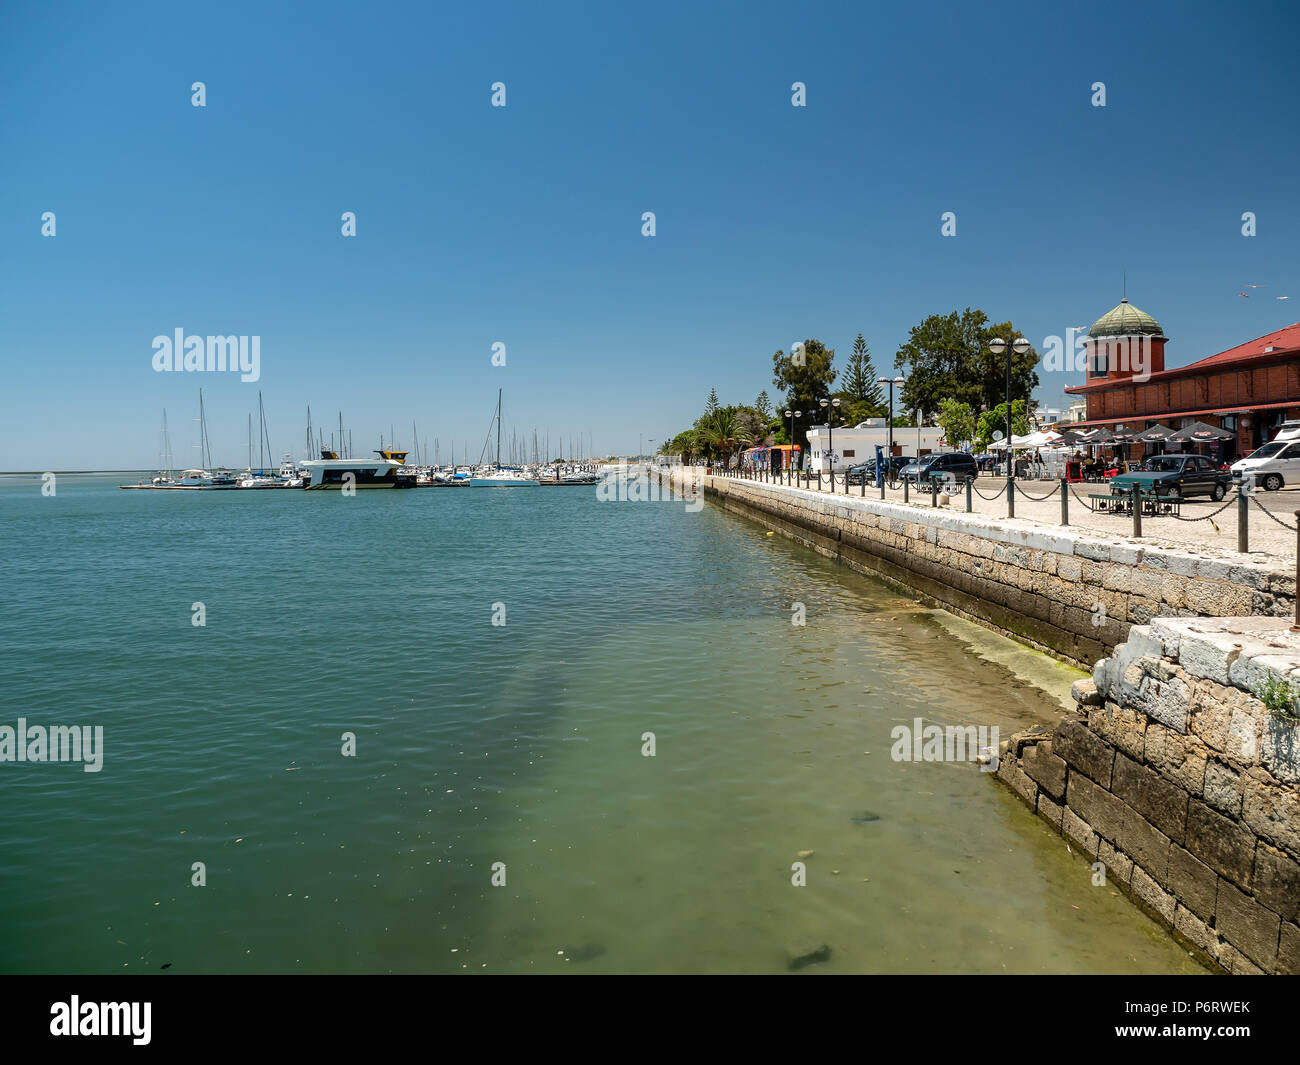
(1020, 487)
(1251, 497)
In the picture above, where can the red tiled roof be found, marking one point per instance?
(1284, 341)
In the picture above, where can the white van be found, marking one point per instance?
(1276, 463)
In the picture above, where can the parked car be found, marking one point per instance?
(1272, 465)
(1174, 476)
(863, 472)
(956, 465)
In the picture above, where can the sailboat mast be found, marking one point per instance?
(498, 428)
(205, 449)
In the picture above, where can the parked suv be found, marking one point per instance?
(954, 465)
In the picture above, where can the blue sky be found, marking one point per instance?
(522, 225)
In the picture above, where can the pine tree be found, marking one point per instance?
(711, 407)
(861, 386)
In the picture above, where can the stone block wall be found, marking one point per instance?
(1063, 590)
(1183, 784)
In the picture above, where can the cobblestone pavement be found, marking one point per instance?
(1202, 523)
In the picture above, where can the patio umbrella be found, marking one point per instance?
(1200, 433)
(1100, 435)
(1156, 434)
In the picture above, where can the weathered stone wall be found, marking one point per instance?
(1066, 591)
(1183, 784)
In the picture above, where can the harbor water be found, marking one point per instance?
(502, 811)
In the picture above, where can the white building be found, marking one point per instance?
(857, 444)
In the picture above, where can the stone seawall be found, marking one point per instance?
(1071, 593)
(1183, 785)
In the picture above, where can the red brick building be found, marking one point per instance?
(1248, 390)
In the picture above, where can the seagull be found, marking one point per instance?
(1257, 286)
(1282, 297)
(1244, 295)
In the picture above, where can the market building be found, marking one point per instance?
(1249, 390)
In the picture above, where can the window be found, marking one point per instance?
(849, 453)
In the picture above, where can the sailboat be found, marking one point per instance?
(502, 476)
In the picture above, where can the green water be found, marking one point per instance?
(518, 744)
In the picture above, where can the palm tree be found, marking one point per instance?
(725, 432)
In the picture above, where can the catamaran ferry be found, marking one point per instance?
(330, 471)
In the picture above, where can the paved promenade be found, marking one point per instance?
(1202, 523)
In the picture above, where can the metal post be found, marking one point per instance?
(1011, 493)
(1243, 521)
(904, 489)
(1137, 511)
(819, 478)
(934, 492)
(1065, 501)
(883, 476)
(863, 493)
(970, 484)
(1296, 626)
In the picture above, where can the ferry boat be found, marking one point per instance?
(330, 471)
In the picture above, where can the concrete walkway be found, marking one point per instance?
(1216, 527)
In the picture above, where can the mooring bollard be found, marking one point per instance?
(970, 485)
(1065, 501)
(1243, 521)
(1137, 511)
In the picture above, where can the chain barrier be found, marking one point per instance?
(989, 499)
(1265, 509)
(1213, 514)
(1081, 502)
(1038, 499)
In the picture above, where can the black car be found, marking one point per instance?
(867, 470)
(951, 465)
(1174, 476)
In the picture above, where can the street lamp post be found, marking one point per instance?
(834, 406)
(792, 415)
(1020, 346)
(891, 382)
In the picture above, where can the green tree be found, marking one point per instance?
(804, 378)
(711, 404)
(995, 420)
(947, 357)
(763, 404)
(957, 421)
(685, 443)
(724, 432)
(862, 391)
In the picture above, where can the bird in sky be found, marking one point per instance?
(1257, 286)
(1244, 295)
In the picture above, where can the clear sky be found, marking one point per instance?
(522, 225)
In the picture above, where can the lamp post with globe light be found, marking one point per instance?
(831, 406)
(1020, 346)
(891, 382)
(792, 415)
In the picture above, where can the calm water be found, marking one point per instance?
(520, 744)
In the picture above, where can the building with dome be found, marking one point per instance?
(1249, 390)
